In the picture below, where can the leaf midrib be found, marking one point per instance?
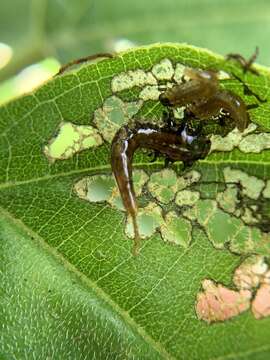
(108, 167)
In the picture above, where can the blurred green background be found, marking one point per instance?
(45, 33)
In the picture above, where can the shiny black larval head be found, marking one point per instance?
(198, 144)
(163, 98)
(200, 147)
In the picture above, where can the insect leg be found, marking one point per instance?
(248, 91)
(245, 64)
(168, 118)
(155, 155)
(168, 161)
(252, 106)
(82, 60)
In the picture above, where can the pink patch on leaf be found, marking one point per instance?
(261, 304)
(218, 303)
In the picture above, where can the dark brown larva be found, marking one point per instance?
(202, 97)
(174, 144)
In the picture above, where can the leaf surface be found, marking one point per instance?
(71, 287)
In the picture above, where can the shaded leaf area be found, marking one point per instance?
(104, 298)
(69, 318)
(70, 30)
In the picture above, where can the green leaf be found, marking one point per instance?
(70, 287)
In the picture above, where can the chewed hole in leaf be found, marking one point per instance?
(176, 230)
(99, 188)
(187, 197)
(252, 186)
(113, 114)
(163, 185)
(225, 221)
(163, 70)
(96, 188)
(149, 219)
(70, 140)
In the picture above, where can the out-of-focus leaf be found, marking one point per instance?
(68, 30)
